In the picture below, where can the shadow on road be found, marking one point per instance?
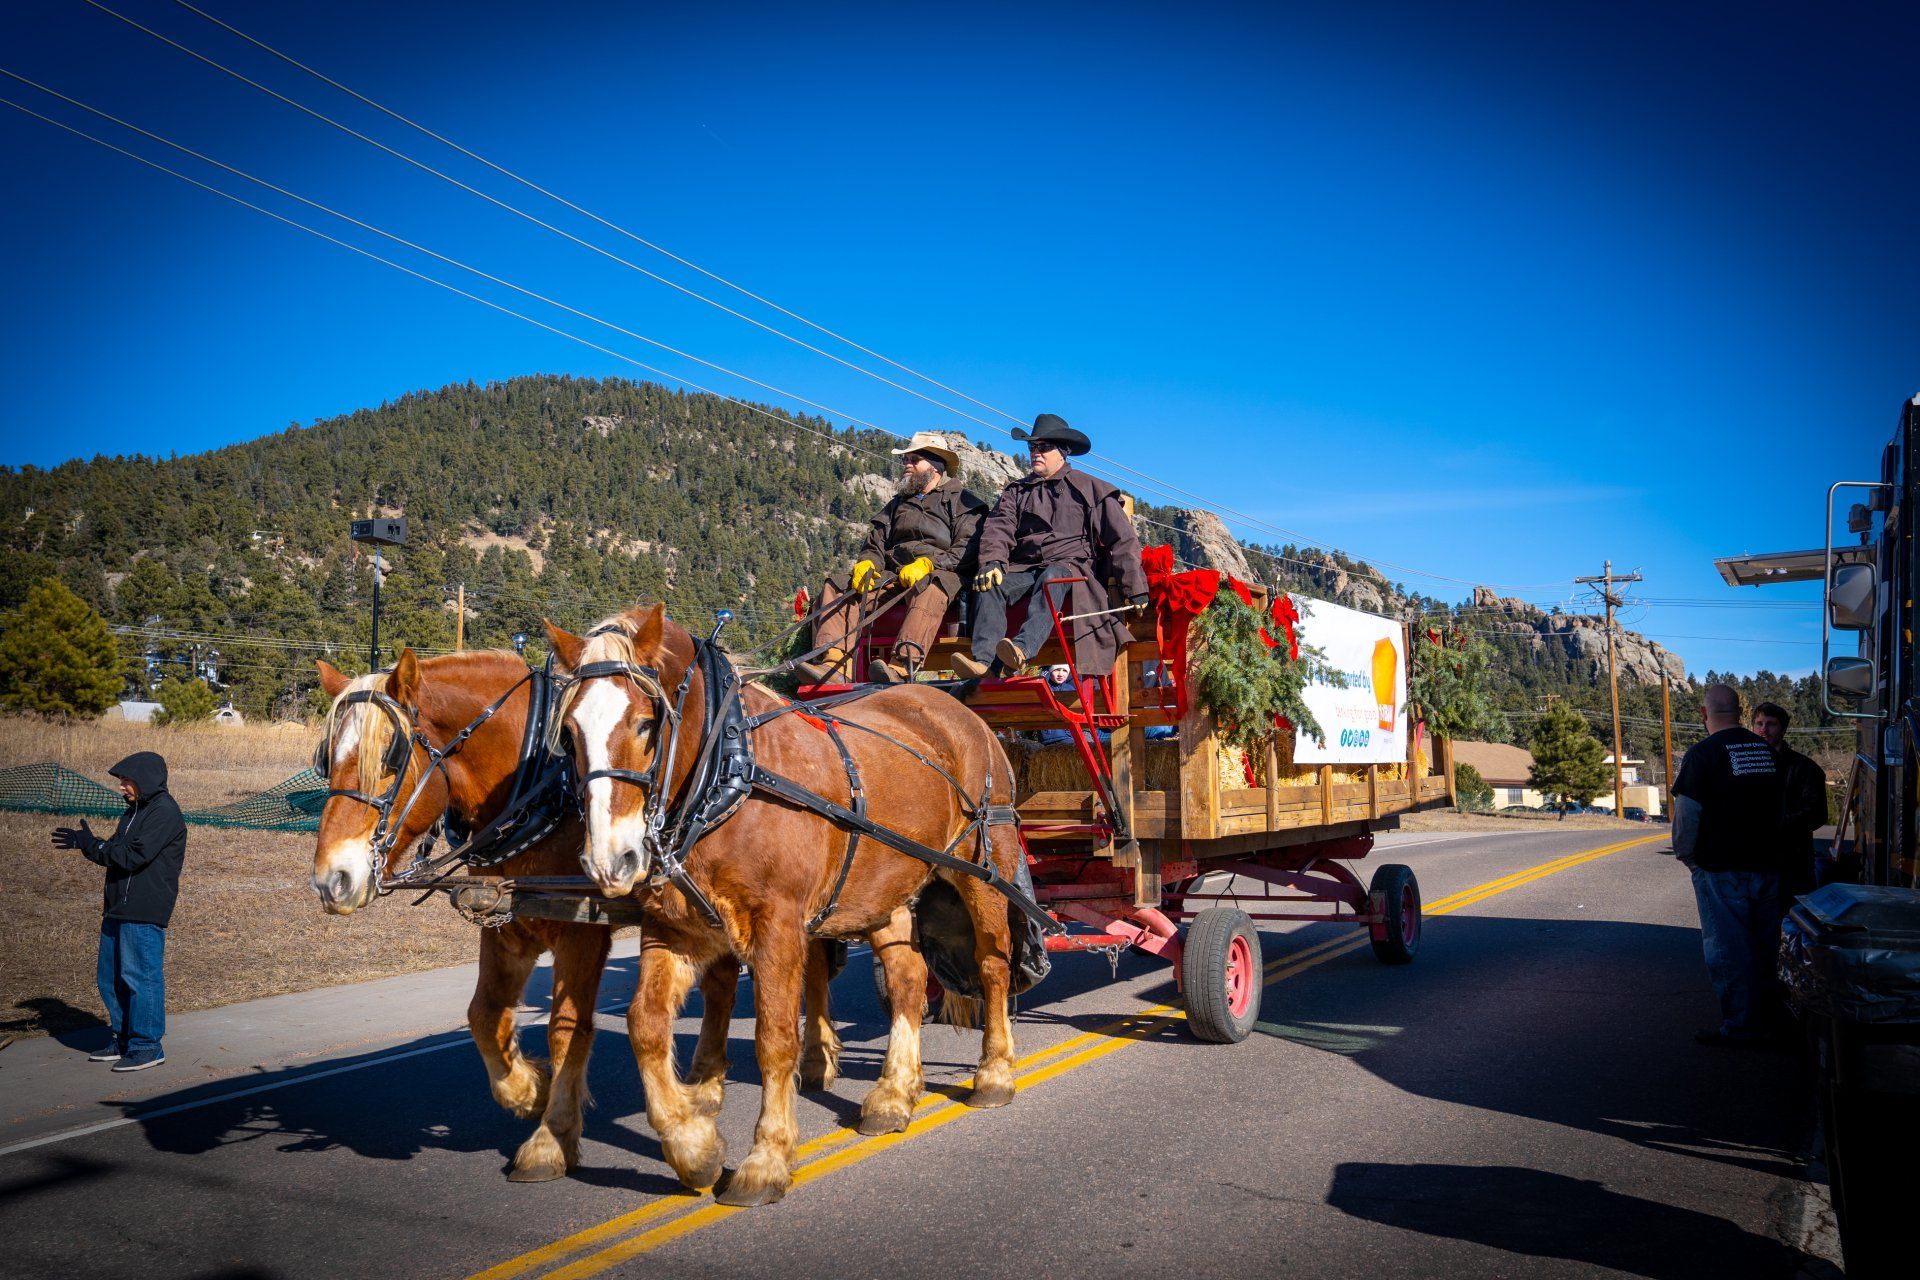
(68, 1023)
(1586, 1024)
(1549, 1215)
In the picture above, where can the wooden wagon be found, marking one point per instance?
(1132, 834)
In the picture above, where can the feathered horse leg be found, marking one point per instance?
(889, 1104)
(689, 1140)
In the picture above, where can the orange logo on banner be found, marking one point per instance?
(1385, 662)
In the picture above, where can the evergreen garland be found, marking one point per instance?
(1245, 683)
(1448, 683)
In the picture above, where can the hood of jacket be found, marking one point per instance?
(145, 770)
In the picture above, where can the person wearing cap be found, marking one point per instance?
(1050, 524)
(143, 857)
(925, 538)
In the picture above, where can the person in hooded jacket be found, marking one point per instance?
(143, 858)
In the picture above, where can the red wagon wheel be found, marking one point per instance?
(1220, 970)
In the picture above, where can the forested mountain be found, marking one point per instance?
(560, 497)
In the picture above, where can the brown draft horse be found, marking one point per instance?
(441, 696)
(771, 867)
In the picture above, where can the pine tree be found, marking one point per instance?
(183, 701)
(1569, 764)
(1471, 788)
(57, 656)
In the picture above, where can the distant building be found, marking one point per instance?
(1633, 792)
(229, 715)
(135, 712)
(1505, 769)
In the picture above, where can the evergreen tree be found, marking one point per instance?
(1569, 764)
(183, 701)
(1470, 788)
(57, 656)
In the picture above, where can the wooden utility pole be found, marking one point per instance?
(1606, 579)
(1666, 729)
(460, 618)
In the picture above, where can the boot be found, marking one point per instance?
(968, 666)
(880, 671)
(828, 666)
(1010, 656)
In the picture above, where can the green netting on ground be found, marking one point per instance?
(51, 788)
(292, 805)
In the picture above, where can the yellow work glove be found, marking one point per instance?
(863, 576)
(989, 577)
(912, 573)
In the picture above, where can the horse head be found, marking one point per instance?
(383, 791)
(618, 718)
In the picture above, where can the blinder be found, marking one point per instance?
(399, 747)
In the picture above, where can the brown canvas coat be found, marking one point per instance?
(943, 525)
(1076, 521)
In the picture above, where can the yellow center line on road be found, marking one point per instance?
(843, 1148)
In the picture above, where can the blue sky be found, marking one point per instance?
(1488, 292)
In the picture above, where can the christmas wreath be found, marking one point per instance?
(1252, 683)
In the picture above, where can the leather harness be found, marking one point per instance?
(726, 772)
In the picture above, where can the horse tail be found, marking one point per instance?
(960, 1012)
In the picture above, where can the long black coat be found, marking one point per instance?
(144, 854)
(1076, 521)
(942, 524)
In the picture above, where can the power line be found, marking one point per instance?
(426, 168)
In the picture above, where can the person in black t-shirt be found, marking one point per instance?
(1728, 811)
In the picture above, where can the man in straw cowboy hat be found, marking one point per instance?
(925, 535)
(1053, 523)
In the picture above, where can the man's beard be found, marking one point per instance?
(906, 485)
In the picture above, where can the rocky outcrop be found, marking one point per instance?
(1639, 660)
(871, 486)
(601, 425)
(985, 470)
(1201, 539)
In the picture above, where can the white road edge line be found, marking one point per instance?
(102, 1126)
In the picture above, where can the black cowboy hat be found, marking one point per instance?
(1052, 429)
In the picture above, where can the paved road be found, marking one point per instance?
(1524, 1100)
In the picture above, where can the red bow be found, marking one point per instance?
(800, 604)
(1178, 599)
(1287, 616)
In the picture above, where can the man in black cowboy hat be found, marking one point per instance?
(925, 536)
(1053, 523)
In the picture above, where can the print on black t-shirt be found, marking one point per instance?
(1737, 784)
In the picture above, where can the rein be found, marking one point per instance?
(726, 772)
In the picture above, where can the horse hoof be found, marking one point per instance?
(879, 1122)
(817, 1079)
(991, 1096)
(536, 1173)
(737, 1193)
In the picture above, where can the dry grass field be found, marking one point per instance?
(1450, 820)
(247, 924)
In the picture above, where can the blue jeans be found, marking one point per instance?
(1740, 933)
(133, 985)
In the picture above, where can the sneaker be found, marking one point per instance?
(109, 1054)
(965, 664)
(1010, 655)
(140, 1060)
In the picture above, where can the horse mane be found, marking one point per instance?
(376, 729)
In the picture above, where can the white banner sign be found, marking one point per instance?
(1366, 722)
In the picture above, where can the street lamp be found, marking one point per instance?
(377, 534)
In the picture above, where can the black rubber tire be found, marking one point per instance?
(1399, 894)
(1220, 937)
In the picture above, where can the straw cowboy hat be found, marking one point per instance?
(932, 442)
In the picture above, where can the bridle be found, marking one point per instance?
(398, 761)
(670, 832)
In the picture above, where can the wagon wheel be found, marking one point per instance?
(1221, 975)
(1397, 937)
